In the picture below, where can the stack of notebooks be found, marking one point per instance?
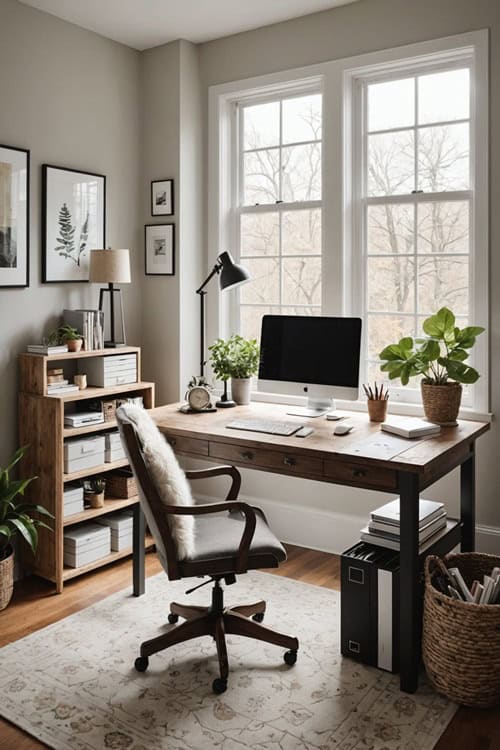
(57, 384)
(410, 427)
(383, 529)
(47, 349)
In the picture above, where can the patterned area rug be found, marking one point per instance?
(73, 685)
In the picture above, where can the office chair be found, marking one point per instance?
(220, 547)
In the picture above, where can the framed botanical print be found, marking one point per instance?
(162, 198)
(160, 249)
(14, 216)
(73, 222)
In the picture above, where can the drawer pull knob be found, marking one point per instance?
(289, 461)
(247, 455)
(358, 473)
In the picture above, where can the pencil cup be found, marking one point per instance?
(377, 409)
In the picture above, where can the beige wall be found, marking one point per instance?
(73, 98)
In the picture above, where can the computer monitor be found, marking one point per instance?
(317, 357)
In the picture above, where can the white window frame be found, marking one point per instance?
(340, 242)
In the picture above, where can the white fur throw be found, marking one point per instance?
(168, 477)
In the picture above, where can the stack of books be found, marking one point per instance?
(47, 349)
(410, 427)
(452, 583)
(57, 384)
(90, 323)
(384, 531)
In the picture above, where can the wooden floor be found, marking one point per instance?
(34, 606)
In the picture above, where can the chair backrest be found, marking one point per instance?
(162, 486)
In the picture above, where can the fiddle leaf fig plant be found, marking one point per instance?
(439, 357)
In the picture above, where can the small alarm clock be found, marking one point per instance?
(198, 398)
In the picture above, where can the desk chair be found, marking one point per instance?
(191, 541)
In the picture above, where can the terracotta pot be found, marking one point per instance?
(74, 345)
(6, 579)
(240, 390)
(441, 402)
(96, 500)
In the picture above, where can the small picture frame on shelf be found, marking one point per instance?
(14, 216)
(160, 249)
(162, 198)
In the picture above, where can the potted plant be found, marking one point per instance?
(70, 336)
(94, 491)
(15, 518)
(221, 365)
(440, 359)
(237, 358)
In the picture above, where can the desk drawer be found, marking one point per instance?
(188, 445)
(282, 461)
(358, 475)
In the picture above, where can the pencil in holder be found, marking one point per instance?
(377, 409)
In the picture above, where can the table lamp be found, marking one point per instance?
(111, 267)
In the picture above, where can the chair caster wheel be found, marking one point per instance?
(290, 658)
(141, 663)
(219, 686)
(172, 618)
(258, 617)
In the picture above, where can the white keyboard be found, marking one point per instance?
(270, 426)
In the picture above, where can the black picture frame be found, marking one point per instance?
(18, 276)
(150, 230)
(95, 237)
(156, 208)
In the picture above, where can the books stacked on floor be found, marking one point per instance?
(410, 427)
(47, 349)
(72, 499)
(90, 323)
(57, 384)
(452, 583)
(384, 530)
(121, 526)
(85, 543)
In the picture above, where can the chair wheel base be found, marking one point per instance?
(173, 618)
(258, 617)
(290, 657)
(141, 663)
(219, 686)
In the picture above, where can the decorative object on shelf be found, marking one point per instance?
(159, 249)
(162, 198)
(440, 358)
(198, 396)
(237, 358)
(90, 323)
(121, 483)
(231, 275)
(14, 216)
(94, 491)
(16, 519)
(70, 336)
(377, 400)
(73, 221)
(111, 267)
(81, 381)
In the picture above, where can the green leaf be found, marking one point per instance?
(22, 529)
(430, 350)
(392, 352)
(17, 457)
(30, 508)
(4, 529)
(436, 325)
(460, 372)
(458, 354)
(406, 343)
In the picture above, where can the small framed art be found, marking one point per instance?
(162, 198)
(160, 249)
(73, 222)
(14, 216)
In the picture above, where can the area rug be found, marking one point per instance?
(73, 685)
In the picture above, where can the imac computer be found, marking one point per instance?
(317, 357)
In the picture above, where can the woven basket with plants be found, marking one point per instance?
(461, 639)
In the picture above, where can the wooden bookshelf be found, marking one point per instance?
(41, 426)
(69, 573)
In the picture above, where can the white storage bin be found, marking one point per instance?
(86, 543)
(72, 494)
(83, 453)
(121, 525)
(108, 371)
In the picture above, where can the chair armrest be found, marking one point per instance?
(218, 471)
(248, 530)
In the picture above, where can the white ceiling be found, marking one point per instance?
(147, 23)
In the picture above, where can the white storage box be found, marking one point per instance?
(86, 543)
(114, 449)
(121, 525)
(83, 453)
(72, 493)
(115, 455)
(107, 371)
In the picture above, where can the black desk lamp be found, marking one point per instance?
(231, 275)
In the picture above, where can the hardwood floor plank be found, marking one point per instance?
(35, 606)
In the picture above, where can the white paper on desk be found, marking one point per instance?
(382, 445)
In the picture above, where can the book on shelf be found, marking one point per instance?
(58, 390)
(46, 349)
(54, 380)
(390, 512)
(394, 542)
(392, 531)
(410, 427)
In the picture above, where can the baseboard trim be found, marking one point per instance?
(488, 539)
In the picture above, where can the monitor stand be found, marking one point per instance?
(316, 407)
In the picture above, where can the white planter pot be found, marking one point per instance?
(240, 390)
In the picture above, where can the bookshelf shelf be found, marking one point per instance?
(93, 392)
(69, 573)
(110, 504)
(99, 469)
(90, 429)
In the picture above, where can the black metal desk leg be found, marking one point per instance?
(468, 503)
(138, 551)
(410, 608)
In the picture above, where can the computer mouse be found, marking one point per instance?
(342, 429)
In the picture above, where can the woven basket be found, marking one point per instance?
(6, 580)
(441, 402)
(121, 483)
(461, 641)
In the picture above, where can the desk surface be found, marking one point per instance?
(207, 434)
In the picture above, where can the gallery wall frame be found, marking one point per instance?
(159, 249)
(73, 222)
(14, 217)
(162, 198)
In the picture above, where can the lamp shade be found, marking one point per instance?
(231, 273)
(110, 266)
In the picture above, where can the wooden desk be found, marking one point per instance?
(366, 458)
